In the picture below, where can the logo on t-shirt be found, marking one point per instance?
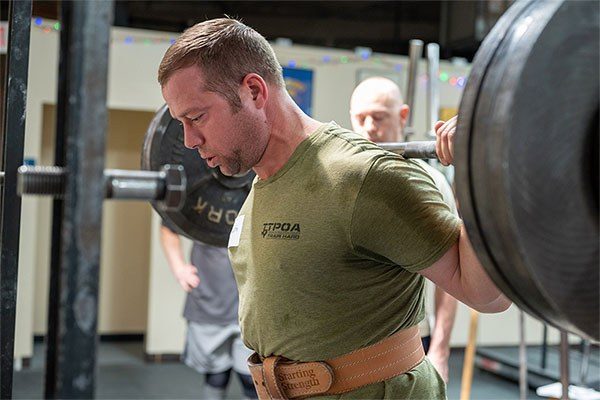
(281, 230)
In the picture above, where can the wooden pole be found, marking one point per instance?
(468, 364)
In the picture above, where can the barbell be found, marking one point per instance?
(526, 158)
(166, 187)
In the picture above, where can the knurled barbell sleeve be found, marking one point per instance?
(41, 180)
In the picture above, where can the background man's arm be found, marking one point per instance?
(185, 273)
(439, 349)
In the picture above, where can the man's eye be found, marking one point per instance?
(197, 118)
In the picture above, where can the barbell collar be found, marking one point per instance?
(416, 149)
(175, 182)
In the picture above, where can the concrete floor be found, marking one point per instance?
(124, 374)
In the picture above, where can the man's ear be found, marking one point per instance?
(403, 114)
(255, 89)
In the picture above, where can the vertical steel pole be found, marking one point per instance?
(85, 128)
(564, 364)
(523, 365)
(13, 144)
(433, 87)
(57, 204)
(544, 349)
(415, 51)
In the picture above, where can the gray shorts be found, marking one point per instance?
(215, 348)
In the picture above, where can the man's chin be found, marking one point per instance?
(241, 173)
(230, 172)
(225, 171)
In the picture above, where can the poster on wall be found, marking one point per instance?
(3, 36)
(447, 112)
(299, 83)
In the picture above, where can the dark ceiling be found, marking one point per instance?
(384, 26)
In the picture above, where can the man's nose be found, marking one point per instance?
(370, 125)
(192, 138)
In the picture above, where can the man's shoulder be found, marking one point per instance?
(438, 177)
(349, 148)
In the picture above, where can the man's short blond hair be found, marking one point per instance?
(226, 51)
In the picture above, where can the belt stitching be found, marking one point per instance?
(380, 368)
(376, 355)
(275, 381)
(371, 345)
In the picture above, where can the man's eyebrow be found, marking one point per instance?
(188, 111)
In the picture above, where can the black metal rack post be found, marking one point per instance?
(13, 143)
(73, 364)
(57, 205)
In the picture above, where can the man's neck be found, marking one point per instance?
(289, 127)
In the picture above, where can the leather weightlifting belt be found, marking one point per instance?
(278, 378)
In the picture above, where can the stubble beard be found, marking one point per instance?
(244, 157)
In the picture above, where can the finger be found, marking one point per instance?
(191, 269)
(451, 137)
(443, 130)
(185, 286)
(438, 149)
(445, 146)
(446, 137)
(194, 281)
(441, 142)
(438, 125)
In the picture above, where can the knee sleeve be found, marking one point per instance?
(219, 380)
(248, 386)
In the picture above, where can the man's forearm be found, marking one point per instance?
(480, 292)
(171, 245)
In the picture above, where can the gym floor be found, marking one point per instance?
(124, 374)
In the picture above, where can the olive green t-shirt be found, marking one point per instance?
(325, 253)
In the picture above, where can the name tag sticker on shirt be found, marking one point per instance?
(236, 232)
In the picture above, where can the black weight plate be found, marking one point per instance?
(465, 168)
(482, 139)
(213, 200)
(535, 119)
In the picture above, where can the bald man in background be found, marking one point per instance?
(378, 112)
